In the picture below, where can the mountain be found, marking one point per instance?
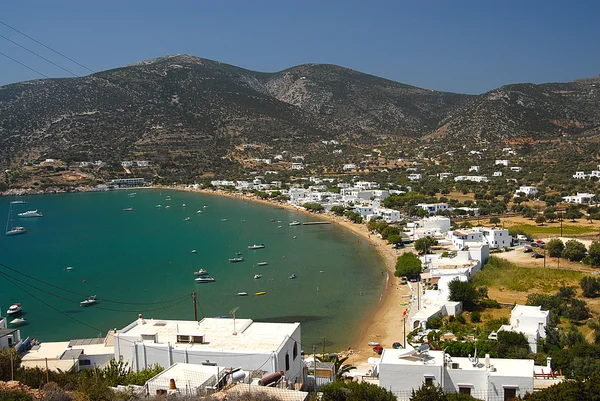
(192, 115)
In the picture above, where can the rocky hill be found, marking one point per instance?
(191, 114)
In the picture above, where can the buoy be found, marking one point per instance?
(83, 281)
(360, 294)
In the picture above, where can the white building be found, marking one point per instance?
(442, 176)
(579, 175)
(128, 182)
(414, 177)
(433, 208)
(366, 185)
(497, 174)
(516, 169)
(529, 320)
(581, 198)
(349, 166)
(474, 169)
(474, 178)
(8, 337)
(142, 163)
(403, 370)
(188, 380)
(127, 164)
(297, 166)
(527, 190)
(269, 347)
(496, 238)
(388, 215)
(501, 163)
(461, 238)
(434, 226)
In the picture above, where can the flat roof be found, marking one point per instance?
(6, 332)
(532, 311)
(187, 375)
(217, 332)
(50, 350)
(280, 393)
(410, 357)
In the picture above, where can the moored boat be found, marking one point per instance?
(89, 301)
(11, 229)
(261, 264)
(293, 276)
(30, 213)
(200, 272)
(257, 276)
(204, 280)
(238, 259)
(17, 321)
(128, 209)
(256, 246)
(14, 310)
(241, 294)
(260, 293)
(295, 223)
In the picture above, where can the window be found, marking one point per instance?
(510, 394)
(429, 381)
(295, 351)
(287, 362)
(464, 390)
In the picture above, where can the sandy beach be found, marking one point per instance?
(385, 325)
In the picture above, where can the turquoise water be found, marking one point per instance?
(134, 261)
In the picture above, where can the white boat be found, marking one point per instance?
(199, 212)
(205, 206)
(132, 195)
(30, 213)
(193, 251)
(256, 246)
(261, 264)
(295, 223)
(293, 276)
(89, 301)
(183, 205)
(200, 272)
(373, 344)
(14, 310)
(186, 219)
(159, 205)
(18, 321)
(241, 294)
(204, 280)
(167, 207)
(238, 259)
(223, 219)
(128, 209)
(11, 229)
(18, 201)
(257, 276)
(69, 268)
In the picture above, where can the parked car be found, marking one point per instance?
(540, 242)
(403, 280)
(527, 250)
(537, 255)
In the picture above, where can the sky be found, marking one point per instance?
(451, 45)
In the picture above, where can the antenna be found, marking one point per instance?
(232, 312)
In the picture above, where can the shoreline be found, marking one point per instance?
(385, 324)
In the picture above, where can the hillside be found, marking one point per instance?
(192, 115)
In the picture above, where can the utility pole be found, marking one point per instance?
(195, 308)
(12, 372)
(544, 256)
(323, 353)
(404, 329)
(47, 378)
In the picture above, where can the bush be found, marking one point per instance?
(489, 303)
(434, 323)
(475, 317)
(574, 251)
(15, 395)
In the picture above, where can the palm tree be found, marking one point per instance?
(338, 364)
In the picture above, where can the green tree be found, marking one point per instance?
(423, 244)
(354, 391)
(594, 254)
(408, 264)
(338, 210)
(589, 286)
(573, 213)
(428, 392)
(6, 356)
(495, 220)
(555, 248)
(574, 251)
(540, 220)
(463, 291)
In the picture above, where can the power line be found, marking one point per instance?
(47, 47)
(39, 55)
(84, 295)
(24, 65)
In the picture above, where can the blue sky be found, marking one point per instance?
(452, 45)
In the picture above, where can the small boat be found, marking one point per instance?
(89, 301)
(183, 205)
(223, 219)
(200, 272)
(159, 205)
(257, 276)
(259, 293)
(278, 226)
(261, 264)
(128, 209)
(16, 231)
(69, 268)
(293, 276)
(273, 220)
(167, 207)
(168, 198)
(256, 246)
(295, 223)
(234, 260)
(241, 294)
(18, 201)
(193, 251)
(199, 212)
(238, 253)
(30, 213)
(186, 219)
(132, 195)
(18, 321)
(14, 310)
(373, 344)
(294, 237)
(204, 280)
(205, 206)
(11, 229)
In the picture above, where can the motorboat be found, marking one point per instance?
(132, 195)
(168, 198)
(235, 260)
(293, 276)
(201, 272)
(295, 223)
(159, 205)
(16, 231)
(223, 219)
(260, 293)
(167, 207)
(183, 205)
(241, 294)
(257, 276)
(186, 219)
(14, 310)
(30, 213)
(199, 212)
(18, 201)
(256, 246)
(89, 301)
(18, 321)
(204, 280)
(205, 206)
(69, 268)
(373, 344)
(261, 264)
(193, 251)
(128, 209)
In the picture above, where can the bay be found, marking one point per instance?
(141, 261)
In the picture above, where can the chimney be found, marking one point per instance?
(549, 363)
(172, 385)
(487, 361)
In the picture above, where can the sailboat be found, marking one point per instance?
(11, 229)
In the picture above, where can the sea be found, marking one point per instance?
(141, 261)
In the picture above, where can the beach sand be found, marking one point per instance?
(385, 324)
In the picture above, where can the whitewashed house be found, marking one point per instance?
(269, 347)
(474, 178)
(349, 166)
(434, 226)
(433, 208)
(443, 176)
(529, 320)
(403, 370)
(388, 215)
(516, 169)
(496, 238)
(8, 337)
(127, 164)
(579, 175)
(366, 185)
(501, 163)
(497, 174)
(414, 177)
(474, 169)
(297, 166)
(299, 195)
(462, 238)
(580, 198)
(527, 190)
